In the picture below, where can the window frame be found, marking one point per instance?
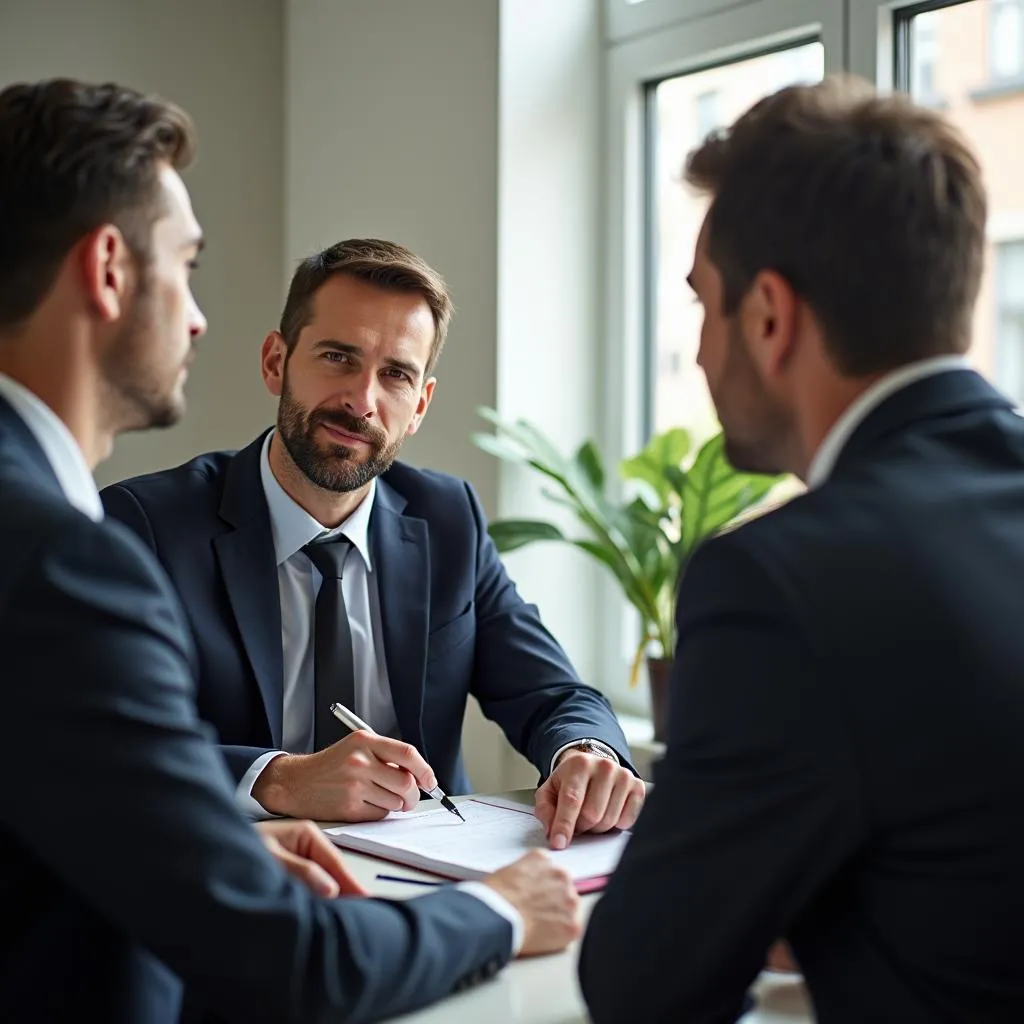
(878, 35)
(648, 257)
(1009, 236)
(649, 42)
(994, 76)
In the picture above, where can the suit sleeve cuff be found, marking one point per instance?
(597, 743)
(244, 800)
(500, 906)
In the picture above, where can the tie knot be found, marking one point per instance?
(329, 555)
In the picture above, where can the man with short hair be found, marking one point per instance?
(844, 766)
(124, 856)
(422, 612)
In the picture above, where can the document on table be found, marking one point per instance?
(496, 832)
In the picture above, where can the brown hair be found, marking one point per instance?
(386, 265)
(872, 208)
(73, 157)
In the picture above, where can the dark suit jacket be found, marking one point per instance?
(453, 623)
(846, 757)
(120, 845)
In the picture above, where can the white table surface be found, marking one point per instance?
(544, 990)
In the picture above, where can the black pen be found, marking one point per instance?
(411, 881)
(353, 721)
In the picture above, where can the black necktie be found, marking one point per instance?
(333, 671)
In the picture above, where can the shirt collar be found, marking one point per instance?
(59, 446)
(835, 441)
(293, 527)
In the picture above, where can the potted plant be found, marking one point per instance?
(674, 499)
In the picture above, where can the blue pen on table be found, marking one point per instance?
(353, 721)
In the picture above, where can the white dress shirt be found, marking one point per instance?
(59, 446)
(298, 583)
(835, 441)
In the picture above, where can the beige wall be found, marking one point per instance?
(222, 60)
(392, 131)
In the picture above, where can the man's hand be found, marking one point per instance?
(359, 778)
(780, 957)
(587, 793)
(545, 898)
(308, 855)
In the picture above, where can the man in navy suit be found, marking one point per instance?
(428, 615)
(127, 868)
(845, 765)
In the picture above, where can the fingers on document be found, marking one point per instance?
(570, 802)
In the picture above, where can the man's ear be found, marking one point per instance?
(426, 394)
(107, 269)
(769, 314)
(273, 356)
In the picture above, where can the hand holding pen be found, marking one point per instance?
(354, 722)
(359, 778)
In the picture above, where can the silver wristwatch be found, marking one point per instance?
(590, 747)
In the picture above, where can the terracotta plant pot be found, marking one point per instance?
(659, 672)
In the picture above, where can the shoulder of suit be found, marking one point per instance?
(796, 530)
(413, 483)
(839, 530)
(34, 523)
(199, 473)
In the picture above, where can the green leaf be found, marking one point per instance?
(588, 458)
(726, 506)
(677, 479)
(485, 412)
(663, 451)
(494, 445)
(670, 447)
(531, 441)
(639, 510)
(716, 493)
(699, 482)
(509, 534)
(633, 592)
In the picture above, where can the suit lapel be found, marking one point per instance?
(401, 562)
(246, 559)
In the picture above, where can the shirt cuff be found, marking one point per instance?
(597, 743)
(500, 906)
(244, 800)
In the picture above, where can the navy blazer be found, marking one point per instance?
(125, 865)
(845, 764)
(453, 622)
